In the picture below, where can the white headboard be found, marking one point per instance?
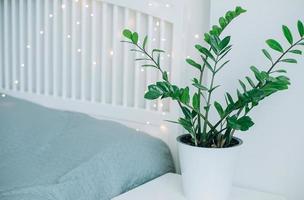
(67, 54)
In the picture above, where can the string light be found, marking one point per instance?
(154, 105)
(163, 39)
(137, 129)
(111, 52)
(142, 70)
(150, 4)
(163, 128)
(79, 50)
(22, 65)
(86, 5)
(78, 22)
(168, 5)
(196, 36)
(92, 15)
(3, 95)
(50, 15)
(16, 82)
(28, 46)
(168, 55)
(157, 23)
(41, 32)
(63, 6)
(148, 123)
(188, 56)
(94, 63)
(68, 36)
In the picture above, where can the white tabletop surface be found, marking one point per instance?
(169, 187)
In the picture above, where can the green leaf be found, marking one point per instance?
(158, 51)
(267, 55)
(287, 34)
(148, 65)
(280, 71)
(186, 112)
(301, 28)
(229, 98)
(199, 86)
(243, 85)
(151, 95)
(243, 123)
(257, 73)
(204, 51)
(134, 38)
(145, 42)
(185, 97)
(165, 76)
(224, 42)
(289, 60)
(193, 63)
(250, 81)
(219, 108)
(195, 101)
(274, 45)
(295, 51)
(127, 33)
(223, 22)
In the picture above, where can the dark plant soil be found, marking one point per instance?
(186, 139)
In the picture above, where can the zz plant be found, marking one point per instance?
(234, 114)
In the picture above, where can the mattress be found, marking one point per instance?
(56, 155)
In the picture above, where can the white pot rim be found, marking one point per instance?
(240, 143)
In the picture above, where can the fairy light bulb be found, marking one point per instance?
(142, 70)
(163, 128)
(163, 113)
(68, 36)
(150, 4)
(63, 6)
(111, 52)
(92, 14)
(41, 32)
(50, 15)
(79, 50)
(94, 63)
(86, 5)
(16, 82)
(137, 129)
(28, 46)
(196, 36)
(148, 123)
(168, 5)
(157, 23)
(22, 65)
(154, 105)
(78, 22)
(3, 95)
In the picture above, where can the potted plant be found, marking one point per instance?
(209, 149)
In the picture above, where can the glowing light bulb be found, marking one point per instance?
(137, 129)
(79, 50)
(50, 15)
(157, 23)
(28, 46)
(86, 5)
(16, 82)
(92, 15)
(154, 105)
(142, 70)
(68, 36)
(3, 95)
(188, 56)
(153, 39)
(22, 65)
(163, 127)
(111, 52)
(76, 1)
(163, 113)
(63, 6)
(41, 32)
(78, 22)
(94, 63)
(168, 5)
(150, 4)
(161, 105)
(148, 123)
(196, 36)
(168, 55)
(163, 39)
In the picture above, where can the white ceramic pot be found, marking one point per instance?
(207, 172)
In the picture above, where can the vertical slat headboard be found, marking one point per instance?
(72, 50)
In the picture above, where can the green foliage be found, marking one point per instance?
(233, 114)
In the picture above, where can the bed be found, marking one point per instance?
(74, 123)
(52, 154)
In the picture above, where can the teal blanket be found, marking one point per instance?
(47, 154)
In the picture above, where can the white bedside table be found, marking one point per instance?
(169, 187)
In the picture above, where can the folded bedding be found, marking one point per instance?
(47, 154)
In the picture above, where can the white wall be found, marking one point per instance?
(272, 159)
